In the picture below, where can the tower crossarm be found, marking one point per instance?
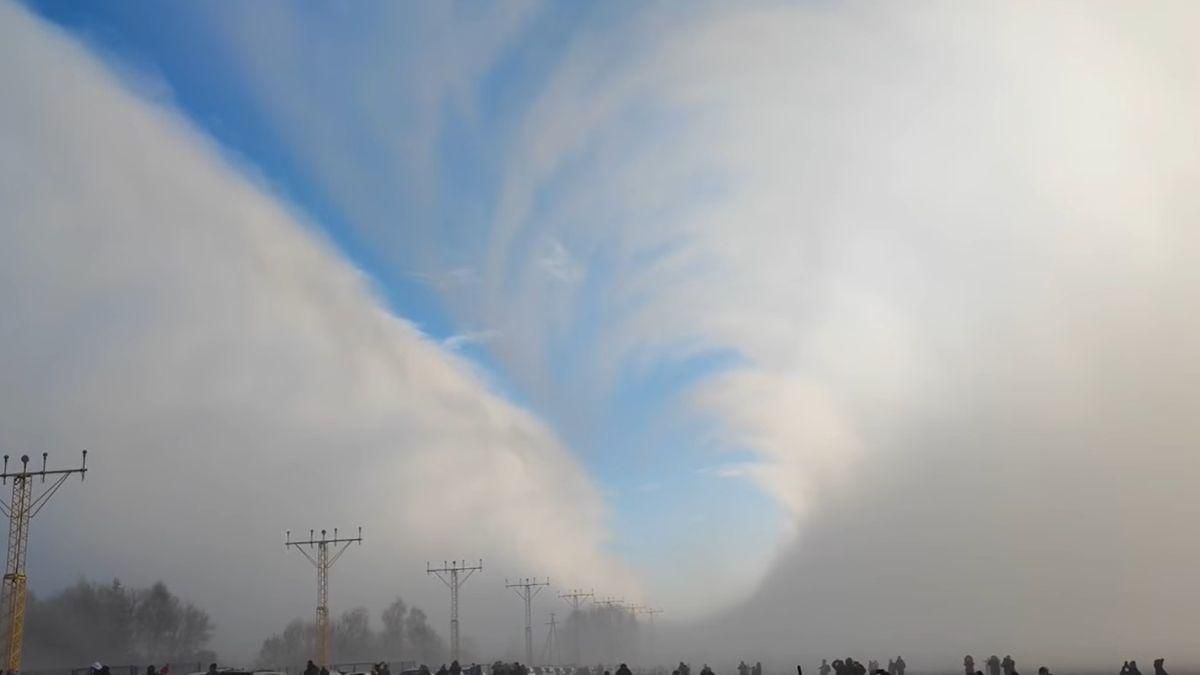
(20, 510)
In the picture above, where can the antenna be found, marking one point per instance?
(21, 509)
(322, 562)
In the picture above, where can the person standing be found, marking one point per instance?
(993, 665)
(900, 665)
(968, 665)
(1008, 665)
(824, 669)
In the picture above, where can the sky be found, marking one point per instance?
(821, 326)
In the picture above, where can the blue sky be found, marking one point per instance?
(652, 458)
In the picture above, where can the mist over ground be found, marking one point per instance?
(832, 330)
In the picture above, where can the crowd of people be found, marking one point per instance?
(848, 666)
(1131, 668)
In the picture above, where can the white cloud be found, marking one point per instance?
(558, 263)
(233, 377)
(459, 340)
(949, 247)
(883, 213)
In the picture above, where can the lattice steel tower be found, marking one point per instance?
(322, 562)
(20, 510)
(576, 598)
(527, 589)
(453, 581)
(550, 653)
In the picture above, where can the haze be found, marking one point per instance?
(828, 328)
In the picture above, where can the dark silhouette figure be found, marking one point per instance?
(624, 670)
(757, 669)
(968, 665)
(891, 667)
(706, 670)
(1133, 669)
(1158, 667)
(1043, 670)
(824, 669)
(455, 668)
(684, 669)
(872, 666)
(324, 670)
(900, 665)
(212, 669)
(743, 669)
(151, 670)
(1008, 665)
(993, 665)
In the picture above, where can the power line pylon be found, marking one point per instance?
(323, 562)
(637, 610)
(610, 603)
(610, 620)
(575, 598)
(527, 589)
(550, 652)
(453, 581)
(20, 510)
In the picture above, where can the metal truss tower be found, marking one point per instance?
(323, 561)
(611, 621)
(20, 510)
(451, 574)
(575, 598)
(527, 590)
(650, 612)
(550, 653)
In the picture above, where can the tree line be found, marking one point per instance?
(405, 634)
(114, 624)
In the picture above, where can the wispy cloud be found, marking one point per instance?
(732, 470)
(955, 267)
(447, 280)
(175, 319)
(470, 338)
(558, 263)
